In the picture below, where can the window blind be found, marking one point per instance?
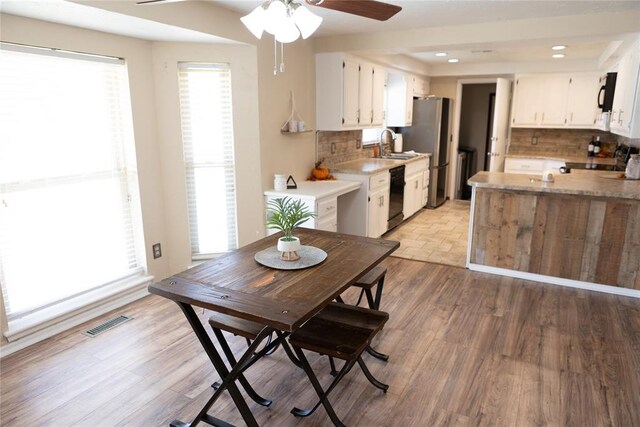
(69, 205)
(207, 137)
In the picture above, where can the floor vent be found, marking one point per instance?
(104, 327)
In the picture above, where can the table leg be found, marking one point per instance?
(229, 378)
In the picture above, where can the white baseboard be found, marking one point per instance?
(556, 280)
(77, 317)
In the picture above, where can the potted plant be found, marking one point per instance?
(286, 214)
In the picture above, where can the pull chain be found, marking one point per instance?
(275, 56)
(282, 57)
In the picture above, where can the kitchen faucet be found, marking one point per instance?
(380, 146)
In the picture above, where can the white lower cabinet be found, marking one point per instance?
(326, 210)
(415, 187)
(365, 212)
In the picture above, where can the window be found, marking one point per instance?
(371, 136)
(69, 210)
(207, 138)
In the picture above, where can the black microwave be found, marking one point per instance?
(605, 95)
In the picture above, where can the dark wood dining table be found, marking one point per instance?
(282, 300)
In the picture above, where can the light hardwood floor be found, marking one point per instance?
(466, 349)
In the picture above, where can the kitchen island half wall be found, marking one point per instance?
(582, 230)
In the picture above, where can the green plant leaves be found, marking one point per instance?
(287, 214)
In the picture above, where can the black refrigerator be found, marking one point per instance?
(431, 133)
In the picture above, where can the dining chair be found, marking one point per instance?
(339, 331)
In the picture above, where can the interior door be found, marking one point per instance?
(500, 126)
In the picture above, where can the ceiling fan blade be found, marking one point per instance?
(156, 1)
(367, 8)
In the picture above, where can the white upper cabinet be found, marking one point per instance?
(420, 86)
(399, 99)
(582, 110)
(526, 101)
(365, 105)
(555, 100)
(379, 83)
(625, 114)
(349, 95)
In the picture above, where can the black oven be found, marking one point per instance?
(396, 197)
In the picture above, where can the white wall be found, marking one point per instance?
(246, 137)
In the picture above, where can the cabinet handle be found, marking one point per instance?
(329, 208)
(542, 117)
(571, 119)
(620, 117)
(535, 116)
(416, 185)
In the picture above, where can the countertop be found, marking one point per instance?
(595, 184)
(317, 189)
(567, 159)
(370, 166)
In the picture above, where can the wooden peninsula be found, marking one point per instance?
(582, 230)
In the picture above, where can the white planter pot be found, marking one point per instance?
(289, 249)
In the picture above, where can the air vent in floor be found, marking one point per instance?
(104, 327)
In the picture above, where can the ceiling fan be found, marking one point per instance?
(367, 8)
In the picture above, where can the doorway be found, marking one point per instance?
(474, 136)
(482, 129)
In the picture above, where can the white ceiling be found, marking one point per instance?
(416, 14)
(64, 12)
(439, 13)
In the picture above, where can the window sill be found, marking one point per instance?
(47, 322)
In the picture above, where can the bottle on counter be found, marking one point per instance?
(596, 146)
(633, 167)
(591, 147)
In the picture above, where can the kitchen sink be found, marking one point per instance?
(399, 156)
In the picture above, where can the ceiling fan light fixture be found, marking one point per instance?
(441, 53)
(255, 21)
(275, 17)
(306, 21)
(288, 32)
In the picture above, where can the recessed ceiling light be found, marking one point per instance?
(441, 54)
(453, 60)
(559, 47)
(558, 55)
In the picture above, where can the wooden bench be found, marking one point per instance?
(375, 277)
(341, 331)
(245, 328)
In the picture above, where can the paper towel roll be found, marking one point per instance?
(397, 144)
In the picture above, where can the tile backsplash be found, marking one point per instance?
(346, 145)
(563, 142)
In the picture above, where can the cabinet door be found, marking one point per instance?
(526, 101)
(553, 100)
(409, 101)
(629, 71)
(365, 104)
(582, 109)
(350, 92)
(378, 212)
(412, 195)
(377, 99)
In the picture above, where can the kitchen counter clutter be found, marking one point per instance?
(581, 230)
(582, 183)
